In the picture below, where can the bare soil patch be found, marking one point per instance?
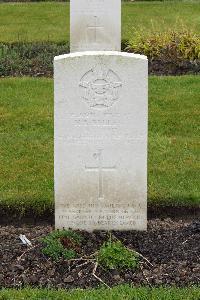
(172, 247)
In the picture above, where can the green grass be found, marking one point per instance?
(174, 111)
(122, 292)
(26, 152)
(50, 20)
(26, 164)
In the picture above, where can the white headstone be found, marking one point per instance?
(95, 25)
(101, 141)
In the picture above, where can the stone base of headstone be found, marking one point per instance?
(101, 141)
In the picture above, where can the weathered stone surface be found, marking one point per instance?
(95, 25)
(101, 141)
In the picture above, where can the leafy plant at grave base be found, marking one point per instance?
(114, 255)
(62, 244)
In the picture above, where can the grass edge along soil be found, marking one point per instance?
(117, 293)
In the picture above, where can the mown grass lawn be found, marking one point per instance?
(50, 21)
(26, 167)
(122, 292)
(174, 111)
(26, 152)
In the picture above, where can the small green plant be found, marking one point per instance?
(114, 255)
(62, 244)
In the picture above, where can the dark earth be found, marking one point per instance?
(171, 251)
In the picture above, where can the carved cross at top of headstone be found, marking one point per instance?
(99, 168)
(95, 25)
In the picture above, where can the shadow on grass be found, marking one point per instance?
(30, 215)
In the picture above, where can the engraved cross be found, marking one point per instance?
(95, 27)
(100, 169)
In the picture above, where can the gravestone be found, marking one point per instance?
(95, 25)
(101, 141)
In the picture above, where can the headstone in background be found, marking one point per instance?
(101, 141)
(95, 25)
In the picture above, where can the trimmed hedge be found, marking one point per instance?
(171, 52)
(172, 45)
(36, 59)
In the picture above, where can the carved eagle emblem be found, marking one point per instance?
(100, 87)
